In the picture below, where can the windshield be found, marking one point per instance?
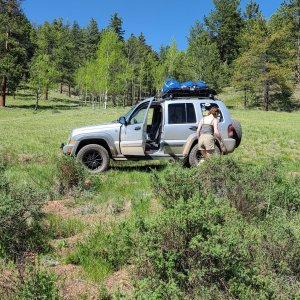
(130, 111)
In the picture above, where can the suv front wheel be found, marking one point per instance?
(94, 157)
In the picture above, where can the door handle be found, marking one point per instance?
(194, 128)
(137, 128)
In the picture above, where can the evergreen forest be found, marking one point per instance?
(256, 56)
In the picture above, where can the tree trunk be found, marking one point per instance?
(47, 95)
(298, 58)
(140, 95)
(114, 100)
(3, 91)
(245, 98)
(266, 95)
(37, 100)
(132, 93)
(105, 98)
(69, 90)
(61, 88)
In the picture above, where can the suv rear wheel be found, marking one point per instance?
(94, 157)
(195, 155)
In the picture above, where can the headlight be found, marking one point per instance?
(71, 142)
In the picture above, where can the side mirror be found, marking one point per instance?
(123, 121)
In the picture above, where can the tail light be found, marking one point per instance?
(230, 130)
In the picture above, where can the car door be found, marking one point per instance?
(180, 123)
(134, 132)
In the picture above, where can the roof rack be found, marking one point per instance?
(188, 92)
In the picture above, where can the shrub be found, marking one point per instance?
(39, 285)
(227, 231)
(254, 191)
(174, 183)
(199, 243)
(70, 176)
(20, 216)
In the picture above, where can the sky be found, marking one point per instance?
(159, 20)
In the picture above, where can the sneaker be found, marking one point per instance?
(201, 161)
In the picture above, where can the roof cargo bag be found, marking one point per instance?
(172, 89)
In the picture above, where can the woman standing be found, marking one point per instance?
(206, 132)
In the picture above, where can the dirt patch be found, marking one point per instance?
(71, 285)
(101, 213)
(64, 246)
(294, 173)
(8, 282)
(120, 281)
(63, 208)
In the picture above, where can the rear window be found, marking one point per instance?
(181, 113)
(205, 112)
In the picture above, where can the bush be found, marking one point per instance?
(200, 243)
(38, 285)
(227, 231)
(174, 183)
(70, 176)
(253, 191)
(20, 216)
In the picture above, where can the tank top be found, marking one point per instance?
(207, 127)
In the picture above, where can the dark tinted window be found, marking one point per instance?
(190, 113)
(181, 113)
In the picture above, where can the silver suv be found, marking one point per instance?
(152, 130)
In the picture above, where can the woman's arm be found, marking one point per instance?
(216, 129)
(198, 129)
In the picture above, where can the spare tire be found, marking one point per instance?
(237, 132)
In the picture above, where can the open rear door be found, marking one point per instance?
(134, 134)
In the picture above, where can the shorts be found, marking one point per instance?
(206, 142)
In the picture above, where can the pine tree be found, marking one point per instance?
(142, 60)
(264, 67)
(252, 11)
(15, 46)
(115, 25)
(91, 37)
(203, 59)
(224, 24)
(288, 16)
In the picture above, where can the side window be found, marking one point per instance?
(205, 112)
(181, 113)
(190, 113)
(138, 116)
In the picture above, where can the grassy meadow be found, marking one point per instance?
(30, 142)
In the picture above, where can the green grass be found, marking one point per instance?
(61, 228)
(30, 140)
(269, 135)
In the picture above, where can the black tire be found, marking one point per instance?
(195, 155)
(237, 132)
(94, 157)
